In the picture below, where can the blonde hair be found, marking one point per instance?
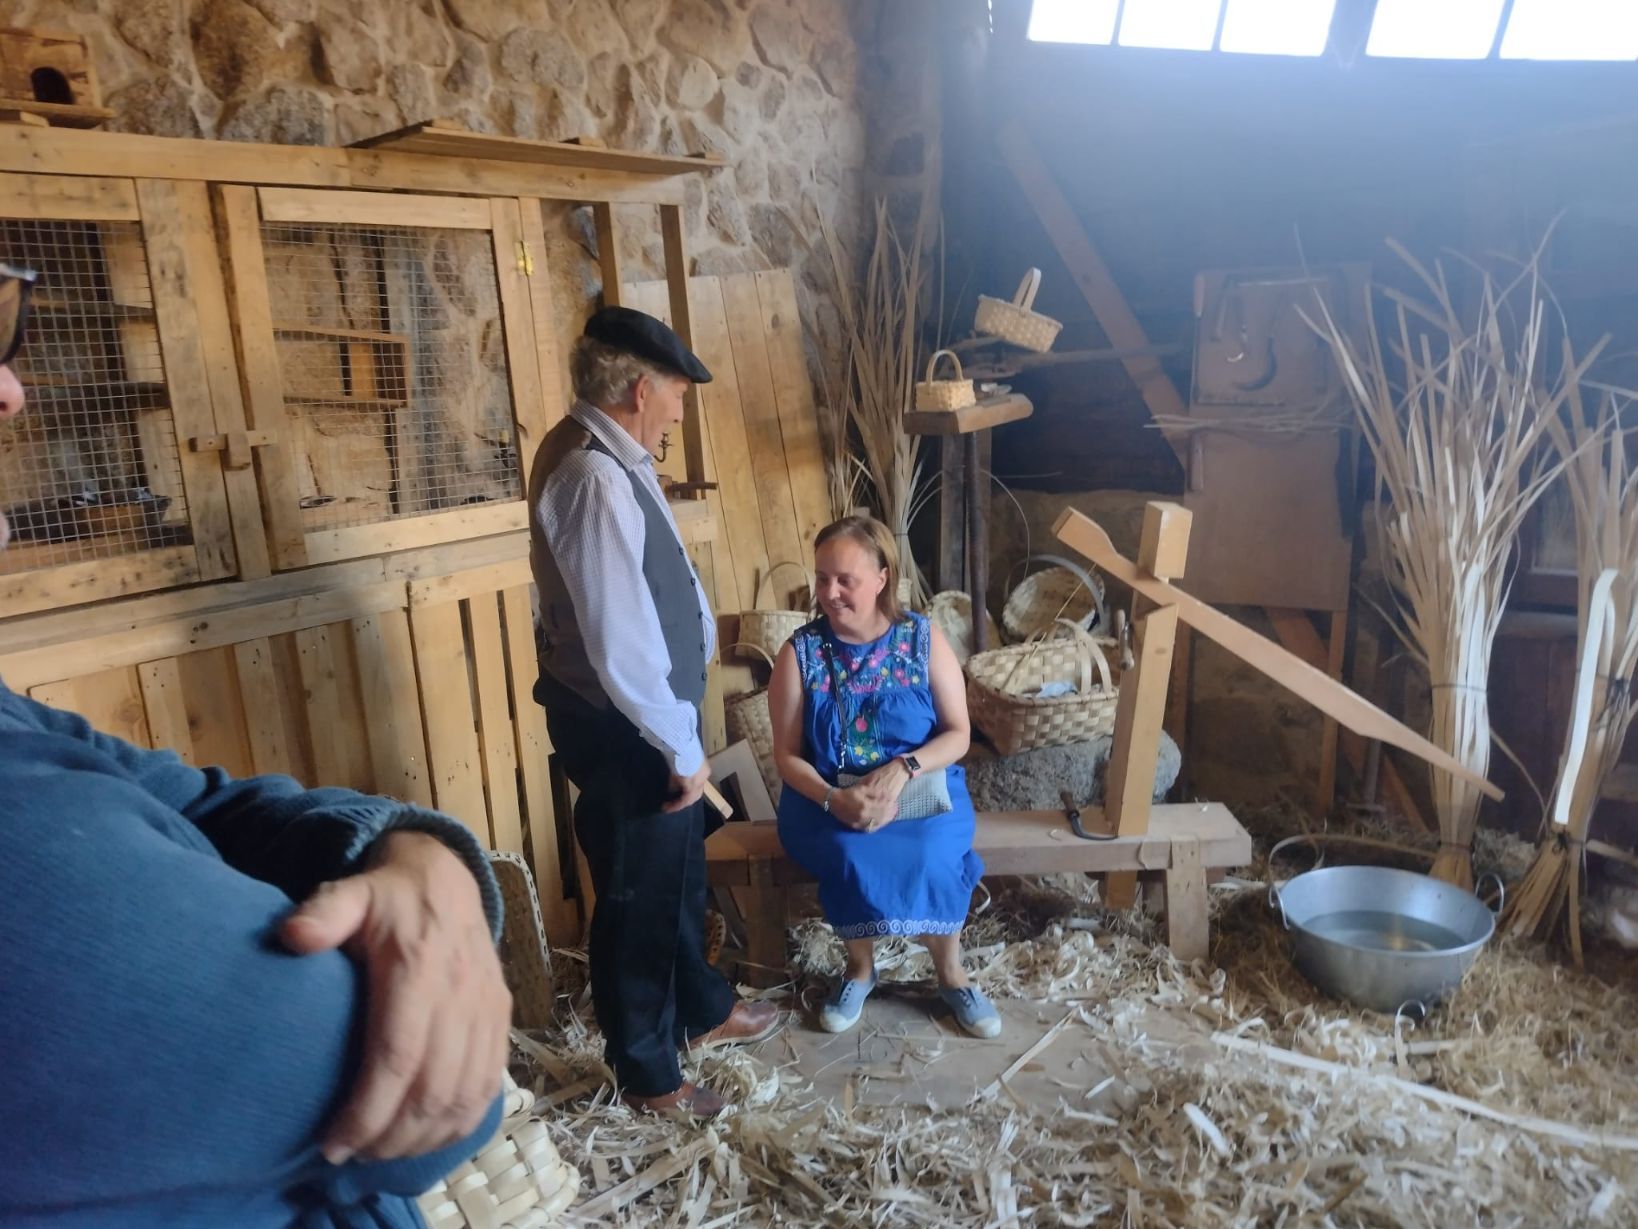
(603, 375)
(875, 537)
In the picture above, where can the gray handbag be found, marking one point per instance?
(924, 796)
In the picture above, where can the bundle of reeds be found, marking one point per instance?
(1603, 487)
(1456, 422)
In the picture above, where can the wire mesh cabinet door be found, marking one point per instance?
(103, 480)
(388, 344)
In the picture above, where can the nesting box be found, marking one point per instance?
(49, 73)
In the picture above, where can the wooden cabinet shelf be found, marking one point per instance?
(442, 138)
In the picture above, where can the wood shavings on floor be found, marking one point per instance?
(1236, 1095)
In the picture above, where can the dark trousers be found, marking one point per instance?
(651, 986)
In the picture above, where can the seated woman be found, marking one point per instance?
(869, 718)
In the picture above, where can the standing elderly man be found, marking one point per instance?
(626, 635)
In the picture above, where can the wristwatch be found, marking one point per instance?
(912, 765)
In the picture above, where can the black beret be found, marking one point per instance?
(641, 334)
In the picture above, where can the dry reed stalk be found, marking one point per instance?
(1603, 486)
(1458, 444)
(879, 319)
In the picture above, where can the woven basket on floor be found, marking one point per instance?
(999, 683)
(936, 394)
(523, 948)
(1015, 321)
(1064, 590)
(952, 610)
(516, 1181)
(747, 720)
(768, 629)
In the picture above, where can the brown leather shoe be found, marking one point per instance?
(746, 1023)
(689, 1101)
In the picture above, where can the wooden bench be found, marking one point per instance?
(1184, 842)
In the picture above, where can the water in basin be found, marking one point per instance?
(1384, 932)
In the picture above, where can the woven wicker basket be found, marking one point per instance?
(516, 1181)
(523, 948)
(933, 394)
(1063, 590)
(952, 610)
(767, 630)
(999, 683)
(1015, 321)
(747, 719)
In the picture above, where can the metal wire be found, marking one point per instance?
(90, 469)
(393, 360)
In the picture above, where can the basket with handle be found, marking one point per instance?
(768, 629)
(935, 394)
(515, 1181)
(747, 719)
(1016, 321)
(1001, 683)
(1062, 590)
(952, 610)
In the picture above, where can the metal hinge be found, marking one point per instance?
(526, 259)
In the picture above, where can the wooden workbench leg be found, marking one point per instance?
(764, 910)
(1325, 790)
(1178, 703)
(978, 542)
(1187, 928)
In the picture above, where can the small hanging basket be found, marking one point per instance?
(935, 394)
(1001, 687)
(1015, 322)
(767, 629)
(1064, 590)
(747, 720)
(952, 610)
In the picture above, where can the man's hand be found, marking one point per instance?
(436, 1039)
(686, 791)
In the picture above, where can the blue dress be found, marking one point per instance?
(914, 876)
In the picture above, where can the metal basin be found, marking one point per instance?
(1379, 937)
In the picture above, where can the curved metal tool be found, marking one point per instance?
(1072, 812)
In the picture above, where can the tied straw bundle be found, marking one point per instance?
(1603, 487)
(1458, 444)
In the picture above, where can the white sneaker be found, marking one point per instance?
(843, 1009)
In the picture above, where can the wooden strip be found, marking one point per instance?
(265, 718)
(793, 393)
(217, 720)
(543, 314)
(521, 332)
(1325, 790)
(1141, 711)
(59, 198)
(392, 708)
(318, 680)
(187, 376)
(373, 208)
(111, 700)
(714, 722)
(472, 176)
(497, 740)
(241, 237)
(355, 541)
(1291, 672)
(431, 137)
(95, 580)
(1063, 226)
(608, 253)
(1187, 906)
(436, 590)
(682, 323)
(212, 317)
(762, 428)
(166, 710)
(445, 686)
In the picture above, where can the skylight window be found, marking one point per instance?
(1277, 27)
(1073, 21)
(1571, 30)
(1182, 25)
(1435, 29)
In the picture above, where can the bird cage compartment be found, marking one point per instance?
(389, 356)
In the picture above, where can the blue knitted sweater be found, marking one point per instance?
(167, 1064)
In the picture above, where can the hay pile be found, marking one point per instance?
(1200, 1125)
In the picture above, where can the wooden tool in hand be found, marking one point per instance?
(1326, 694)
(718, 803)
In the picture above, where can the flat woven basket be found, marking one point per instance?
(952, 610)
(1015, 321)
(523, 950)
(1062, 590)
(516, 1181)
(936, 394)
(999, 683)
(747, 719)
(767, 629)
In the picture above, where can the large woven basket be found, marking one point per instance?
(523, 948)
(747, 719)
(999, 683)
(952, 610)
(516, 1181)
(1062, 590)
(768, 629)
(1015, 321)
(935, 394)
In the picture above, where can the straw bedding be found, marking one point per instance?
(1190, 1129)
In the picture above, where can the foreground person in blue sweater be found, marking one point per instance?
(185, 1048)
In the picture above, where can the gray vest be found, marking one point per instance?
(672, 582)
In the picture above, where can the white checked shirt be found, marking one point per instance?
(594, 527)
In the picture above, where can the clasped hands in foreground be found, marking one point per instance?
(872, 802)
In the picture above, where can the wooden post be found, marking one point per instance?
(682, 323)
(978, 544)
(1325, 790)
(1187, 927)
(1130, 783)
(608, 252)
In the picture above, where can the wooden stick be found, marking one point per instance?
(1018, 1064)
(633, 1188)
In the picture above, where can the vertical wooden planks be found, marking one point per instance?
(793, 395)
(497, 740)
(513, 262)
(446, 709)
(682, 323)
(323, 703)
(544, 317)
(215, 711)
(608, 253)
(163, 704)
(111, 700)
(265, 718)
(392, 707)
